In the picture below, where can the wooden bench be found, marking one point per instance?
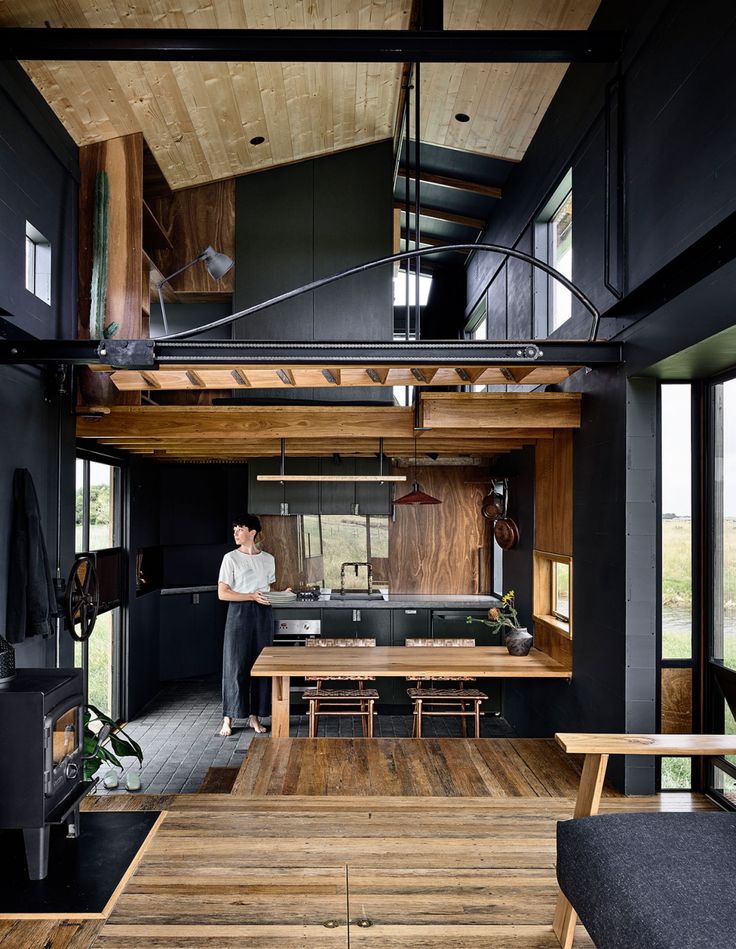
(597, 748)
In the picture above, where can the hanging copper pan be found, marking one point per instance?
(492, 505)
(506, 533)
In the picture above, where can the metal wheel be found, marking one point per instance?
(82, 599)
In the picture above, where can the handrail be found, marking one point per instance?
(404, 255)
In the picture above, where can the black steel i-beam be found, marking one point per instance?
(322, 46)
(151, 353)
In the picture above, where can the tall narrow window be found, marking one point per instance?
(676, 580)
(553, 245)
(98, 533)
(477, 328)
(560, 257)
(676, 526)
(38, 264)
(722, 652)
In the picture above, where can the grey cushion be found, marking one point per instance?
(660, 881)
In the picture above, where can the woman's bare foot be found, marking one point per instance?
(257, 727)
(227, 727)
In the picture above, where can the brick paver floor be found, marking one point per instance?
(178, 732)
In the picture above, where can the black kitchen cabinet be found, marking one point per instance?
(453, 624)
(357, 623)
(266, 497)
(372, 496)
(191, 630)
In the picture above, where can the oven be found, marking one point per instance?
(294, 632)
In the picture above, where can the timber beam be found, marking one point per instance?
(320, 46)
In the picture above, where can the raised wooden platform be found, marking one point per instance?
(408, 767)
(268, 870)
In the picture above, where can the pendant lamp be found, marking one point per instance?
(416, 495)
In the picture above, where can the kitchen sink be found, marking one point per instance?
(357, 595)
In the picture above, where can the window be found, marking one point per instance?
(553, 245)
(403, 395)
(560, 257)
(676, 525)
(425, 284)
(553, 591)
(561, 591)
(98, 531)
(477, 328)
(676, 575)
(38, 264)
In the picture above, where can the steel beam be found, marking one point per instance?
(147, 354)
(324, 46)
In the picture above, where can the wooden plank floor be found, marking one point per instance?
(408, 767)
(267, 871)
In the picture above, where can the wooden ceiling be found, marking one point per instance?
(450, 424)
(199, 118)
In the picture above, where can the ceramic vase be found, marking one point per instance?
(519, 641)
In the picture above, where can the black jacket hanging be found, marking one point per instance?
(31, 597)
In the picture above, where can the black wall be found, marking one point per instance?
(38, 183)
(310, 220)
(679, 181)
(39, 173)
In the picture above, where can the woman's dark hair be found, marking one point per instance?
(248, 520)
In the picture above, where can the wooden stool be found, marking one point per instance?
(428, 700)
(348, 701)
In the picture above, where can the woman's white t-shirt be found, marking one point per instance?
(248, 573)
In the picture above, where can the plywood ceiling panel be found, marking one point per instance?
(199, 118)
(504, 101)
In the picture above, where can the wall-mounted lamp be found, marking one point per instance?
(217, 266)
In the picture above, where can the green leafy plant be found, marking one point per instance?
(500, 617)
(96, 753)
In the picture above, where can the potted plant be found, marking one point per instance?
(95, 751)
(505, 619)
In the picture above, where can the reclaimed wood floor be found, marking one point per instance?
(315, 871)
(408, 767)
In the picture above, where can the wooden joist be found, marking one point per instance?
(460, 184)
(191, 377)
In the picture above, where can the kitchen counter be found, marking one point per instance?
(389, 601)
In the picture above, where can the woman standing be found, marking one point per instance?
(246, 575)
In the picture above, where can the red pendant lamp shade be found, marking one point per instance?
(415, 496)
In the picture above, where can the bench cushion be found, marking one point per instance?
(652, 880)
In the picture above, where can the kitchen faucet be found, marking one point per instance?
(352, 563)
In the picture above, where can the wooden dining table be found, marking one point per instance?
(482, 662)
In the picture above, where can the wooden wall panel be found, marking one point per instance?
(281, 537)
(193, 219)
(434, 547)
(553, 494)
(122, 159)
(554, 643)
(677, 701)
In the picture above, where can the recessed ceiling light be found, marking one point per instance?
(258, 140)
(462, 117)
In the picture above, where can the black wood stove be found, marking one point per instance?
(41, 764)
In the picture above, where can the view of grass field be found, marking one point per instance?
(345, 538)
(677, 615)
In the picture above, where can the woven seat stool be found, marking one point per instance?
(429, 701)
(358, 701)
